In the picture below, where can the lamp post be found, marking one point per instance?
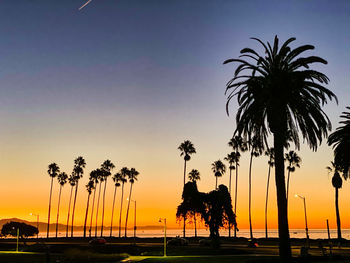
(37, 223)
(306, 228)
(164, 220)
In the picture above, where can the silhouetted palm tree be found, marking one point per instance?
(116, 179)
(238, 145)
(93, 177)
(276, 95)
(53, 171)
(62, 180)
(256, 148)
(337, 183)
(72, 181)
(106, 167)
(100, 175)
(194, 176)
(218, 168)
(124, 172)
(79, 164)
(271, 162)
(340, 139)
(132, 178)
(293, 161)
(89, 187)
(231, 159)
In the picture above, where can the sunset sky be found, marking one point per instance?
(129, 80)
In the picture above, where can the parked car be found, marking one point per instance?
(97, 241)
(178, 241)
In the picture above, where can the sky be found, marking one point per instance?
(129, 80)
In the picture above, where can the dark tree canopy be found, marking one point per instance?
(25, 230)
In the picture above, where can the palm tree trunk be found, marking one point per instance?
(283, 228)
(216, 183)
(103, 206)
(98, 204)
(48, 216)
(127, 211)
(250, 196)
(92, 210)
(229, 225)
(58, 209)
(267, 198)
(121, 208)
(115, 191)
(70, 200)
(86, 214)
(236, 190)
(73, 212)
(337, 213)
(184, 230)
(287, 186)
(195, 224)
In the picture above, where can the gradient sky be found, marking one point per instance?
(129, 80)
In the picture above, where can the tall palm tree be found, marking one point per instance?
(100, 176)
(107, 166)
(231, 159)
(294, 161)
(194, 176)
(276, 94)
(271, 162)
(89, 187)
(72, 181)
(255, 146)
(116, 179)
(218, 168)
(132, 178)
(239, 145)
(94, 177)
(62, 180)
(79, 164)
(337, 183)
(124, 172)
(53, 171)
(186, 148)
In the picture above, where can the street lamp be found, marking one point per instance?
(164, 220)
(306, 228)
(37, 223)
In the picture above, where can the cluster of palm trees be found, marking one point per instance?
(97, 179)
(239, 146)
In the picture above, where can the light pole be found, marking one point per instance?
(306, 228)
(37, 223)
(164, 220)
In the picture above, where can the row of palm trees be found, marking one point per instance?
(239, 146)
(97, 179)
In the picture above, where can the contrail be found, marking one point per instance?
(84, 5)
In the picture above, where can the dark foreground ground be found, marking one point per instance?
(150, 250)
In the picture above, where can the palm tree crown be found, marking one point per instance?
(278, 92)
(194, 175)
(187, 149)
(293, 160)
(133, 175)
(53, 170)
(62, 178)
(232, 158)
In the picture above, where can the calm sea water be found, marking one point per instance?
(258, 233)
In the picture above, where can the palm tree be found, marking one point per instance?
(278, 95)
(186, 148)
(94, 177)
(293, 161)
(79, 164)
(124, 172)
(106, 167)
(53, 171)
(218, 168)
(271, 162)
(194, 176)
(256, 148)
(231, 159)
(62, 180)
(337, 183)
(132, 178)
(116, 179)
(72, 181)
(89, 187)
(238, 145)
(100, 175)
